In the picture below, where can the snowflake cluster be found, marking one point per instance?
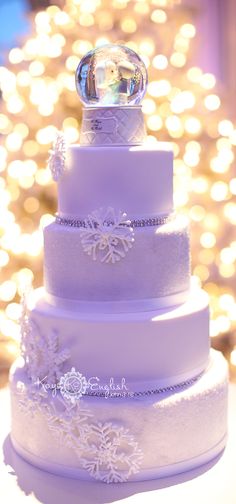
(57, 157)
(106, 450)
(112, 453)
(107, 235)
(42, 354)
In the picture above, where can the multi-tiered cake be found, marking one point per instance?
(117, 380)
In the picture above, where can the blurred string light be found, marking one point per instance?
(181, 105)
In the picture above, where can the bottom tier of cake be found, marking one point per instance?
(116, 439)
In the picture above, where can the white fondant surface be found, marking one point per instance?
(170, 429)
(136, 180)
(213, 482)
(149, 349)
(148, 474)
(112, 126)
(157, 265)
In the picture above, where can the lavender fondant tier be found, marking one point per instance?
(147, 349)
(120, 439)
(136, 180)
(152, 273)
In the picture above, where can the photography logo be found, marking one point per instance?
(73, 385)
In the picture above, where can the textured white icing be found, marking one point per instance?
(112, 126)
(157, 265)
(166, 433)
(148, 349)
(136, 180)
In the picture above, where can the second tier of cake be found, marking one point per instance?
(147, 349)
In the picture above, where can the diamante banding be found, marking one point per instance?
(136, 223)
(162, 390)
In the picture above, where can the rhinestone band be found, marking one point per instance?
(82, 223)
(162, 390)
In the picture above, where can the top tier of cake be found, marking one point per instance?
(137, 180)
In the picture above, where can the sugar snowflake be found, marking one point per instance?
(31, 399)
(107, 234)
(42, 354)
(107, 451)
(57, 157)
(112, 454)
(70, 426)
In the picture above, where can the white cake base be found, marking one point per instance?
(161, 472)
(213, 482)
(141, 438)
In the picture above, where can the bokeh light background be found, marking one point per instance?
(183, 105)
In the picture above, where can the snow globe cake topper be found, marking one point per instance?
(111, 75)
(111, 81)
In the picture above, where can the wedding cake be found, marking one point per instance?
(116, 380)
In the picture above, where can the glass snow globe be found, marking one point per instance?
(111, 75)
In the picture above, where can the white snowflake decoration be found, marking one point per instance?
(31, 402)
(71, 426)
(24, 315)
(112, 454)
(107, 235)
(42, 355)
(107, 451)
(57, 157)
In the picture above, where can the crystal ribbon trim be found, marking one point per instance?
(154, 391)
(134, 223)
(144, 474)
(127, 306)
